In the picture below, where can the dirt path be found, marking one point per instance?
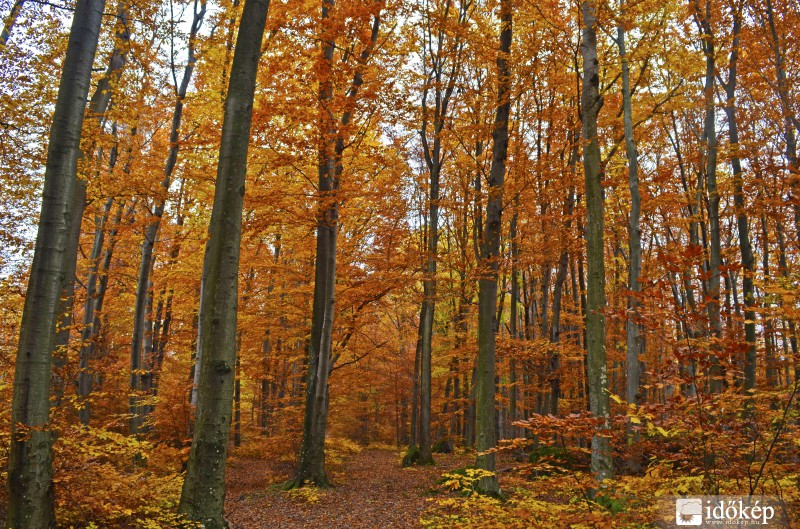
(371, 491)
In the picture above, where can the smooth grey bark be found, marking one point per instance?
(486, 434)
(141, 375)
(332, 145)
(30, 473)
(195, 373)
(470, 378)
(745, 247)
(203, 495)
(597, 369)
(633, 329)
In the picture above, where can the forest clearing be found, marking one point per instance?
(399, 263)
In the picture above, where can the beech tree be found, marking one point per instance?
(30, 473)
(490, 252)
(332, 143)
(203, 495)
(591, 103)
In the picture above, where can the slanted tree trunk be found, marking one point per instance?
(10, 20)
(486, 437)
(30, 473)
(98, 105)
(597, 370)
(203, 495)
(332, 146)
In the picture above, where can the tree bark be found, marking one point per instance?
(8, 24)
(203, 495)
(87, 333)
(745, 248)
(597, 370)
(558, 289)
(789, 117)
(30, 473)
(633, 328)
(441, 80)
(98, 105)
(716, 374)
(486, 438)
(331, 147)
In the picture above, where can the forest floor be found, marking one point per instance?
(370, 490)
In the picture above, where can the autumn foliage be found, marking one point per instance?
(717, 408)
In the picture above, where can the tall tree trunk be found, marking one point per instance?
(442, 83)
(558, 289)
(203, 495)
(331, 147)
(98, 105)
(489, 263)
(415, 380)
(30, 473)
(748, 267)
(633, 328)
(591, 102)
(783, 265)
(87, 333)
(513, 392)
(716, 373)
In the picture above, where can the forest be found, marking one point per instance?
(398, 263)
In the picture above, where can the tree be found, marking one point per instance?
(142, 374)
(203, 495)
(708, 45)
(98, 105)
(591, 103)
(742, 224)
(489, 262)
(634, 342)
(11, 19)
(442, 60)
(332, 144)
(30, 481)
